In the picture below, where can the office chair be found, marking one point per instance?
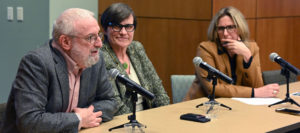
(180, 85)
(2, 110)
(274, 76)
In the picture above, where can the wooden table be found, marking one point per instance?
(242, 118)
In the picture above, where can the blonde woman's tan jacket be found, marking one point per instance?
(246, 78)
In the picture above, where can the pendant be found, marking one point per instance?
(125, 65)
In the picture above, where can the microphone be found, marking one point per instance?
(133, 86)
(199, 62)
(276, 58)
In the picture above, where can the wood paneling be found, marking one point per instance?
(252, 28)
(171, 45)
(280, 35)
(247, 7)
(278, 8)
(170, 30)
(189, 9)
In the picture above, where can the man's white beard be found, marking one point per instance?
(76, 55)
(91, 60)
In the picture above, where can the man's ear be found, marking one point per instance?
(65, 42)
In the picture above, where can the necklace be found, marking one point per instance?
(124, 65)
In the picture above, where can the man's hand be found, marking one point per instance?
(89, 118)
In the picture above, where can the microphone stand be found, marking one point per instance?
(286, 73)
(212, 100)
(132, 118)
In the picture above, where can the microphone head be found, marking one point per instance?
(113, 73)
(197, 61)
(273, 56)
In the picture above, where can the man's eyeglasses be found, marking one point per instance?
(119, 27)
(229, 28)
(92, 38)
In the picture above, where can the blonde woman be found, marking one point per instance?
(230, 51)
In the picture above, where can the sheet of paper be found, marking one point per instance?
(258, 101)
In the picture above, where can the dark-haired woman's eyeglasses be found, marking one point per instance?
(119, 27)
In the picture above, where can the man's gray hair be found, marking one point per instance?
(64, 24)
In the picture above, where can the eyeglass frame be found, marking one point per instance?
(91, 38)
(229, 28)
(120, 26)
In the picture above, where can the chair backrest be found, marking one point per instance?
(180, 85)
(274, 76)
(2, 110)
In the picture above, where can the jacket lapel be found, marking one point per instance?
(226, 61)
(137, 65)
(62, 76)
(113, 62)
(83, 93)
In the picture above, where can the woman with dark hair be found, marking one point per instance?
(129, 57)
(230, 51)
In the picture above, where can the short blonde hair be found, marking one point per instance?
(238, 19)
